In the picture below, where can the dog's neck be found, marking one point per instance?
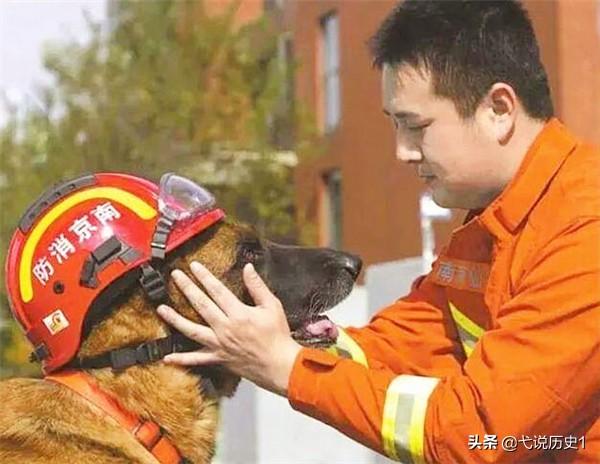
(173, 398)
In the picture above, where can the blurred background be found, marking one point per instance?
(271, 104)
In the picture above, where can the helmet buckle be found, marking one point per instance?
(153, 284)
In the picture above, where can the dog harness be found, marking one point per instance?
(147, 432)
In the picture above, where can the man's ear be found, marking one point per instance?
(500, 111)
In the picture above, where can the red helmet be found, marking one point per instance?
(82, 236)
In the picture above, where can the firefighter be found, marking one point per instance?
(494, 356)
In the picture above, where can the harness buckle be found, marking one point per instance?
(148, 352)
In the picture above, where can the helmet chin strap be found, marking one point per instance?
(153, 283)
(152, 279)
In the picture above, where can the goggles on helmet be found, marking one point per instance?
(181, 199)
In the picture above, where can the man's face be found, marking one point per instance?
(457, 158)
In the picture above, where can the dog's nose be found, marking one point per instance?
(352, 263)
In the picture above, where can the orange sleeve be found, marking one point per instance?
(536, 373)
(341, 393)
(415, 335)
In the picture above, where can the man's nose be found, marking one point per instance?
(407, 152)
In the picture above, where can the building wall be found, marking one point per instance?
(380, 194)
(380, 216)
(569, 36)
(578, 74)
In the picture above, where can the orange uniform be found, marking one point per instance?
(494, 356)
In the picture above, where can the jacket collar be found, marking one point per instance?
(539, 166)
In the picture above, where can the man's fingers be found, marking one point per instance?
(221, 295)
(193, 358)
(257, 288)
(198, 299)
(196, 332)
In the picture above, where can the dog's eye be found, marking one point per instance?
(251, 253)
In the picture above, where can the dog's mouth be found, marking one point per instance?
(317, 332)
(306, 310)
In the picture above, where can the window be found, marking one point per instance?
(330, 79)
(281, 120)
(285, 59)
(270, 5)
(332, 209)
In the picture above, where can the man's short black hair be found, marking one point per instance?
(467, 46)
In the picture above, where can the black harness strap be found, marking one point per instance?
(144, 353)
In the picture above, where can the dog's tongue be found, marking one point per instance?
(323, 327)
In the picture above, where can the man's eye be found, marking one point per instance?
(417, 128)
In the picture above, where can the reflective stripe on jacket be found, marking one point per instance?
(501, 339)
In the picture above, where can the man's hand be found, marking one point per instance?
(251, 341)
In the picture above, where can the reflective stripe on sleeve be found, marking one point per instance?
(346, 347)
(403, 427)
(468, 331)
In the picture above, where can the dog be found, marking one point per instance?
(45, 422)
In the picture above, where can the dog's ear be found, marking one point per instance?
(223, 249)
(250, 249)
(133, 321)
(131, 318)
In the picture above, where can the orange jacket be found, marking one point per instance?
(500, 340)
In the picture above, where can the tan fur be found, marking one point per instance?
(44, 422)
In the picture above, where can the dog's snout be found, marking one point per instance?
(351, 263)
